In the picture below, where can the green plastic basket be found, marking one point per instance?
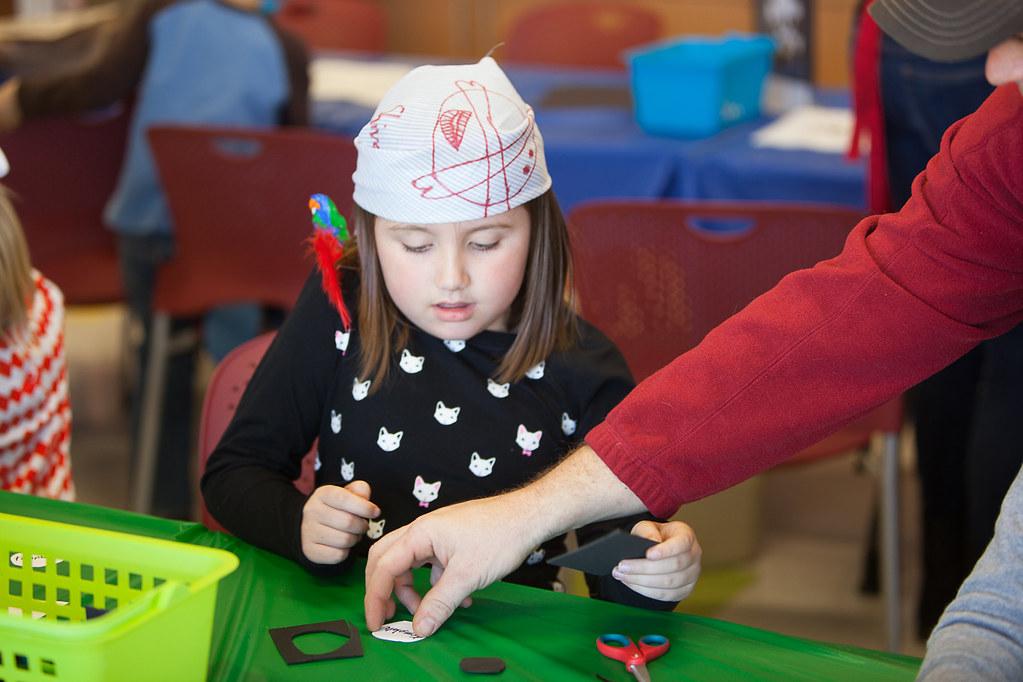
(159, 598)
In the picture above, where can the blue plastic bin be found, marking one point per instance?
(695, 86)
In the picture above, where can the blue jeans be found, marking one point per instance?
(969, 434)
(223, 329)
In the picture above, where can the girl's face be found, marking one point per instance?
(454, 280)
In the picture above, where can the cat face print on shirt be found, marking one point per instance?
(479, 466)
(413, 364)
(536, 371)
(389, 442)
(360, 389)
(536, 556)
(347, 469)
(454, 346)
(316, 462)
(425, 492)
(567, 424)
(376, 528)
(446, 415)
(335, 421)
(498, 390)
(528, 440)
(341, 341)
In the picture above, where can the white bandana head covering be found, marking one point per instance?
(447, 144)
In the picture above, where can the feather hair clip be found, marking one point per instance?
(330, 232)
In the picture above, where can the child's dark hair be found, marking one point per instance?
(542, 314)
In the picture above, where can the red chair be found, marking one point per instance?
(239, 201)
(657, 276)
(336, 24)
(592, 34)
(63, 170)
(225, 389)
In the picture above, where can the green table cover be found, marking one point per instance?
(540, 635)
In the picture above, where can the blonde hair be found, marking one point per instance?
(543, 312)
(15, 269)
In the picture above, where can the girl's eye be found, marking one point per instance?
(416, 249)
(484, 246)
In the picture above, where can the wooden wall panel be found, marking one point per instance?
(467, 29)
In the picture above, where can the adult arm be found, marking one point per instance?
(980, 635)
(110, 75)
(909, 293)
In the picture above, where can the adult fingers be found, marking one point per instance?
(452, 589)
(390, 557)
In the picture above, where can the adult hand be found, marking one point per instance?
(469, 546)
(671, 567)
(475, 543)
(333, 520)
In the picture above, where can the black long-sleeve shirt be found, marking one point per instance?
(439, 431)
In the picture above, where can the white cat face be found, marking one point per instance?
(335, 422)
(341, 340)
(316, 462)
(497, 390)
(567, 424)
(536, 371)
(446, 415)
(536, 556)
(527, 440)
(360, 389)
(454, 346)
(479, 466)
(425, 492)
(412, 364)
(347, 469)
(376, 529)
(388, 441)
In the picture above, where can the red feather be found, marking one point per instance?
(328, 253)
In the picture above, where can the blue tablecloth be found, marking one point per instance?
(599, 151)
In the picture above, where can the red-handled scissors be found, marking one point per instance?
(621, 648)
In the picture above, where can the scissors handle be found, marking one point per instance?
(653, 646)
(621, 648)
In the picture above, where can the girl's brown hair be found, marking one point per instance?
(542, 314)
(15, 269)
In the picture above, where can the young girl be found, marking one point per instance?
(464, 372)
(35, 414)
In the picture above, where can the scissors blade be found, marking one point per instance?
(640, 672)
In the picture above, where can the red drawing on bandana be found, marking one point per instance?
(452, 125)
(473, 158)
(377, 123)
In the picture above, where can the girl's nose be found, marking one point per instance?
(451, 273)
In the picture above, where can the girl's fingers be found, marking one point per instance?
(667, 581)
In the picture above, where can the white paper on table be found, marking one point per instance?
(819, 129)
(352, 80)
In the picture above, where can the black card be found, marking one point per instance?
(604, 553)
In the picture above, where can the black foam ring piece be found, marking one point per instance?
(284, 638)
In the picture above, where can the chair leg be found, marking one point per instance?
(152, 410)
(891, 576)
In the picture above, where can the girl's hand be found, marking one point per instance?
(333, 520)
(670, 569)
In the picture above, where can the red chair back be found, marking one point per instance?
(336, 24)
(225, 389)
(63, 170)
(240, 204)
(589, 34)
(657, 276)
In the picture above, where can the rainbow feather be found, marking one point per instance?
(329, 235)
